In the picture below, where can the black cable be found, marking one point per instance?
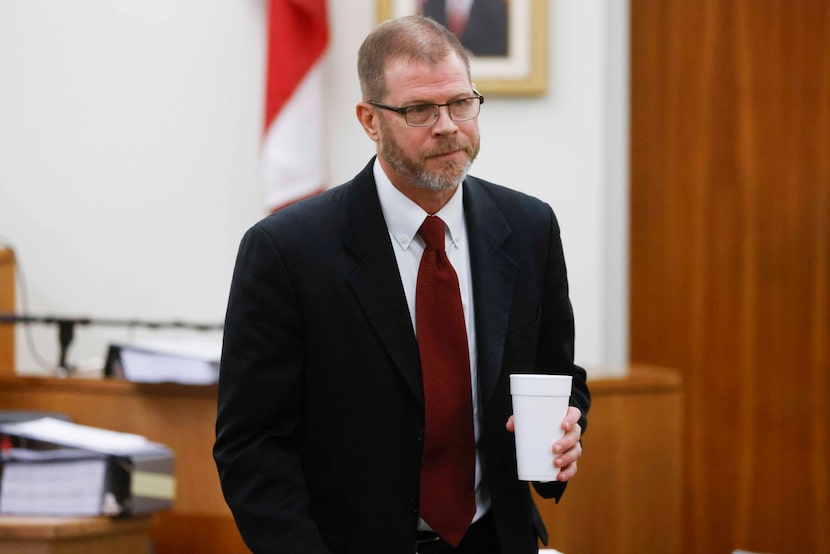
(66, 325)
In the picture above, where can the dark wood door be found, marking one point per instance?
(730, 257)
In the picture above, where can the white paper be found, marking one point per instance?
(207, 350)
(150, 367)
(57, 431)
(189, 362)
(65, 488)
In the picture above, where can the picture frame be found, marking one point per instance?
(521, 70)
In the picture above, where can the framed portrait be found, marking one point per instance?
(507, 39)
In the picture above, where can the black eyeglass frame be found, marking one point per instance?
(403, 111)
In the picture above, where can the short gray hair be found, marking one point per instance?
(411, 37)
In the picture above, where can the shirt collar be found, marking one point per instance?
(404, 217)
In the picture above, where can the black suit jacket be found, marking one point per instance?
(320, 413)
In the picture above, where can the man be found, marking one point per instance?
(325, 437)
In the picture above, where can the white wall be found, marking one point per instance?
(129, 136)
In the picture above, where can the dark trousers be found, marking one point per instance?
(481, 538)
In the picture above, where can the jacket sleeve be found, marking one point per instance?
(259, 404)
(556, 344)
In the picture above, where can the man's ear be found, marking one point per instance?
(368, 119)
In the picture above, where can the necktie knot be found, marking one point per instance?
(432, 231)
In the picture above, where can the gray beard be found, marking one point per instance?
(437, 183)
(415, 173)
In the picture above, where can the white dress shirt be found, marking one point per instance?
(403, 219)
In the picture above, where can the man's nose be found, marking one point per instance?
(444, 124)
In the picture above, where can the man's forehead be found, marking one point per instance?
(416, 63)
(404, 74)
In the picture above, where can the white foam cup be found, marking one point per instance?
(540, 403)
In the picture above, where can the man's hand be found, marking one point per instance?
(566, 450)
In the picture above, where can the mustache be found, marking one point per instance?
(447, 147)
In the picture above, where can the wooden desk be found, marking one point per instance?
(63, 535)
(625, 498)
(179, 416)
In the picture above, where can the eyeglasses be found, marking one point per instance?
(424, 115)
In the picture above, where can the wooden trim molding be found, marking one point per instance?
(7, 304)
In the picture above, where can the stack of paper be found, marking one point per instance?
(53, 467)
(190, 362)
(55, 482)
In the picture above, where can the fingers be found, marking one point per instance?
(566, 473)
(567, 462)
(569, 444)
(571, 418)
(572, 434)
(567, 451)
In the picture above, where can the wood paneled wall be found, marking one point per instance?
(730, 257)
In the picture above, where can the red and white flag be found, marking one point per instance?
(293, 149)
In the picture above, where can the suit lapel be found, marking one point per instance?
(376, 281)
(493, 277)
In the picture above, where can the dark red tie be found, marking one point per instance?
(456, 22)
(448, 463)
